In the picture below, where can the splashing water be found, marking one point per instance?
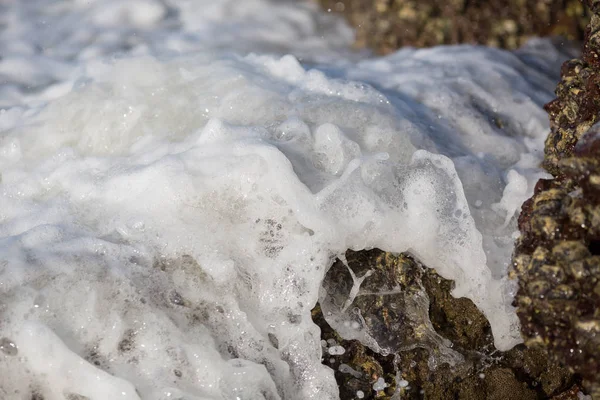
(176, 178)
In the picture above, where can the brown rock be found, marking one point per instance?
(386, 25)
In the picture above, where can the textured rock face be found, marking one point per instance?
(557, 261)
(385, 25)
(577, 105)
(557, 258)
(573, 112)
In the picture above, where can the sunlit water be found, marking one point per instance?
(177, 176)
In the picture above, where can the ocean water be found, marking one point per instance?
(177, 176)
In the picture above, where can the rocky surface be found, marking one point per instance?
(442, 347)
(577, 105)
(557, 258)
(386, 25)
(557, 261)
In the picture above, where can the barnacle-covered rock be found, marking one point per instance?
(380, 300)
(386, 25)
(557, 257)
(557, 262)
(577, 104)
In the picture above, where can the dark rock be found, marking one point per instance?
(386, 25)
(558, 265)
(557, 258)
(441, 349)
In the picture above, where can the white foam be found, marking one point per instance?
(167, 219)
(379, 384)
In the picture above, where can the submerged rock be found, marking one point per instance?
(434, 347)
(386, 25)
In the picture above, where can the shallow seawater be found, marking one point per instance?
(177, 176)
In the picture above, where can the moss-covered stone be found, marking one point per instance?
(386, 25)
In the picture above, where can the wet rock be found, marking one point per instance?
(577, 105)
(380, 299)
(557, 263)
(557, 258)
(442, 349)
(386, 25)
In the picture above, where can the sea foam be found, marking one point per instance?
(168, 213)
